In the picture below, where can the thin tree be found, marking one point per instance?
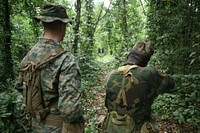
(6, 55)
(93, 23)
(124, 24)
(77, 25)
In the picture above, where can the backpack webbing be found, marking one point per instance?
(30, 77)
(113, 121)
(122, 95)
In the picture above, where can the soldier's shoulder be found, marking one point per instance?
(151, 69)
(68, 60)
(67, 56)
(111, 74)
(148, 70)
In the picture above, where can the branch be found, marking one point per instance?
(143, 7)
(101, 17)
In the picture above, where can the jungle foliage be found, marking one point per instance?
(172, 26)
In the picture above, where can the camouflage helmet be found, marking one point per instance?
(51, 12)
(140, 54)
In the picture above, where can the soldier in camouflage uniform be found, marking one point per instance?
(60, 78)
(142, 85)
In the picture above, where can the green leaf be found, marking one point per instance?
(1, 124)
(192, 61)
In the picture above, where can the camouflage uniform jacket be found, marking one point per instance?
(146, 84)
(60, 80)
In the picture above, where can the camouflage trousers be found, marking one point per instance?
(42, 128)
(67, 128)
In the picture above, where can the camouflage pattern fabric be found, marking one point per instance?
(60, 81)
(142, 86)
(143, 48)
(67, 128)
(41, 128)
(51, 12)
(140, 54)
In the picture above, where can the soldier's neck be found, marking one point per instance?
(55, 37)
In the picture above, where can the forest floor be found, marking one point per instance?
(97, 107)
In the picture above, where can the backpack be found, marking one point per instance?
(123, 122)
(116, 123)
(29, 77)
(119, 119)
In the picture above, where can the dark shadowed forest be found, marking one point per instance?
(101, 35)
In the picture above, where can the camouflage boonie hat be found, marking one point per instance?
(51, 12)
(143, 48)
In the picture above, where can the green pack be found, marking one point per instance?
(29, 77)
(119, 120)
(115, 123)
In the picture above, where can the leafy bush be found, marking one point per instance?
(184, 102)
(11, 109)
(12, 118)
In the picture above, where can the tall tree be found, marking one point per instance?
(174, 27)
(124, 25)
(77, 25)
(89, 4)
(6, 55)
(92, 19)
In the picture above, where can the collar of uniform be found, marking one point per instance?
(48, 41)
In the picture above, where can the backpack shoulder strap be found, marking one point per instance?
(28, 76)
(45, 59)
(122, 94)
(127, 68)
(26, 65)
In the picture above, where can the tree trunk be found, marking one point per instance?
(90, 28)
(77, 25)
(124, 24)
(6, 55)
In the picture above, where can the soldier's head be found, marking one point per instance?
(54, 19)
(140, 54)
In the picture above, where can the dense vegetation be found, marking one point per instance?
(172, 26)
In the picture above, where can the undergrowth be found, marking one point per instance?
(182, 105)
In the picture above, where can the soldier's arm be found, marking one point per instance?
(165, 83)
(70, 91)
